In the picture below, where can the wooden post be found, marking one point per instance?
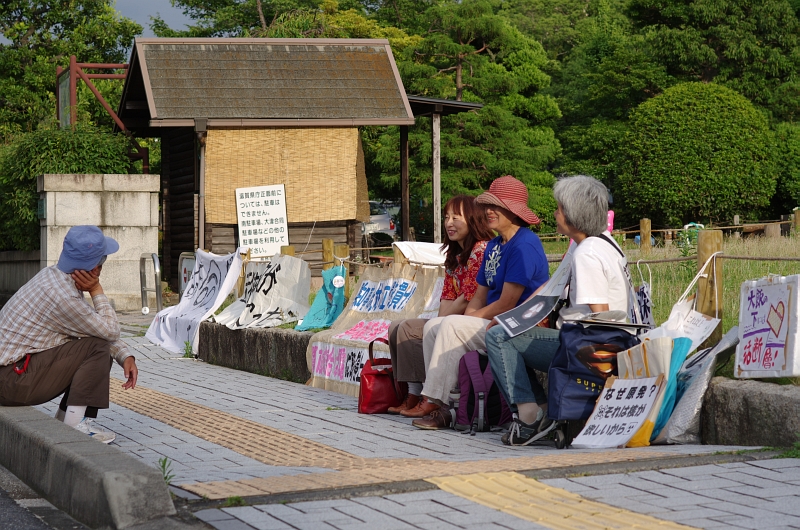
(405, 202)
(772, 230)
(343, 251)
(327, 254)
(437, 179)
(399, 258)
(644, 236)
(797, 222)
(668, 238)
(287, 250)
(709, 289)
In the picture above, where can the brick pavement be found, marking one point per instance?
(327, 420)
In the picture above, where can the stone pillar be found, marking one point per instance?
(125, 207)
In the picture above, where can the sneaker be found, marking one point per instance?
(540, 417)
(522, 433)
(87, 426)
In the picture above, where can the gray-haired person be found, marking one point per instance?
(53, 342)
(599, 281)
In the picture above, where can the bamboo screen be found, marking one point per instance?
(322, 170)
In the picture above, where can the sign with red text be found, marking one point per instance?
(768, 311)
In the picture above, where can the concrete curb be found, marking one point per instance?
(94, 483)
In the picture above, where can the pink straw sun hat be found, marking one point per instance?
(511, 194)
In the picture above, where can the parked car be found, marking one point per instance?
(380, 220)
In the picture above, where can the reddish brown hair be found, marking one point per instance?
(458, 253)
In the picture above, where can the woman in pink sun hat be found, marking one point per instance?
(514, 266)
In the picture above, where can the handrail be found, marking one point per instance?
(143, 281)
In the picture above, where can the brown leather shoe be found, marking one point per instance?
(423, 408)
(408, 403)
(438, 419)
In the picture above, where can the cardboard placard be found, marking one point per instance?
(621, 410)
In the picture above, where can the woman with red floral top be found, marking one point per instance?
(466, 234)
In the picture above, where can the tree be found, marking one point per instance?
(471, 53)
(49, 150)
(698, 152)
(42, 34)
(787, 191)
(751, 46)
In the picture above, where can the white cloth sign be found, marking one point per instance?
(431, 309)
(261, 212)
(768, 318)
(426, 253)
(213, 278)
(621, 410)
(335, 356)
(275, 292)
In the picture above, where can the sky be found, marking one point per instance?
(142, 10)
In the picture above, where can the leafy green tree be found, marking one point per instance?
(787, 192)
(698, 152)
(607, 75)
(751, 46)
(41, 34)
(49, 150)
(471, 53)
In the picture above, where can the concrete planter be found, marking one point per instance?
(746, 412)
(273, 352)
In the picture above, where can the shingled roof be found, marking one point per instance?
(263, 82)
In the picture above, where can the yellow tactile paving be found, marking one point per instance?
(246, 437)
(533, 501)
(278, 448)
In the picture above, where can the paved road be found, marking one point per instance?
(22, 509)
(247, 451)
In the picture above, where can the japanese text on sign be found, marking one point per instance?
(620, 411)
(391, 294)
(261, 213)
(763, 327)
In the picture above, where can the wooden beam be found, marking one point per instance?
(405, 202)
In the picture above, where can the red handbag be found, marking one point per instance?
(379, 390)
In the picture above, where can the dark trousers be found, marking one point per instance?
(405, 346)
(79, 369)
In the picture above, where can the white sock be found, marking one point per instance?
(415, 389)
(74, 415)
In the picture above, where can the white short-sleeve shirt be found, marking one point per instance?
(599, 276)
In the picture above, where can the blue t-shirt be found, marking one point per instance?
(521, 260)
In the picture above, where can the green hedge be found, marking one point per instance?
(698, 152)
(49, 150)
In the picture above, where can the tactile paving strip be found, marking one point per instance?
(545, 505)
(275, 447)
(246, 437)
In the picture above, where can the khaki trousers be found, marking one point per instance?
(80, 365)
(452, 337)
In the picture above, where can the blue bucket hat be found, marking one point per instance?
(85, 246)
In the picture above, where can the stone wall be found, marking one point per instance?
(273, 352)
(125, 207)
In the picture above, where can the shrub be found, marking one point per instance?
(698, 152)
(49, 150)
(787, 194)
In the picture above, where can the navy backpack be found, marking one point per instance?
(586, 357)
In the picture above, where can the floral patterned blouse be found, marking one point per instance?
(462, 279)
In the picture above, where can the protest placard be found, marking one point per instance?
(620, 411)
(768, 314)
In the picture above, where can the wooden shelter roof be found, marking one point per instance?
(235, 82)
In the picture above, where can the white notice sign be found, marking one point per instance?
(262, 219)
(620, 411)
